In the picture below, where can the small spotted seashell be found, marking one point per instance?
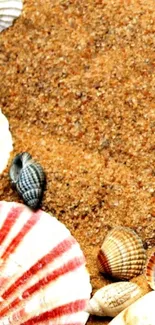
(122, 254)
(141, 312)
(113, 298)
(43, 276)
(28, 177)
(150, 271)
(9, 11)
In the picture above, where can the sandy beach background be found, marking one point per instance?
(78, 88)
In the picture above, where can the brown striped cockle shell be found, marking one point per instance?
(43, 278)
(113, 298)
(150, 271)
(141, 312)
(122, 254)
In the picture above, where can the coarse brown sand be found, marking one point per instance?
(78, 87)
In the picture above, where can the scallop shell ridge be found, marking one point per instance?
(41, 268)
(122, 254)
(9, 11)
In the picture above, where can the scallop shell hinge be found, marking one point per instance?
(122, 254)
(9, 11)
(41, 267)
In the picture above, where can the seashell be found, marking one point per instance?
(9, 11)
(5, 142)
(28, 177)
(113, 298)
(122, 254)
(140, 312)
(43, 278)
(150, 271)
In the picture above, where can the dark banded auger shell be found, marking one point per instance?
(28, 178)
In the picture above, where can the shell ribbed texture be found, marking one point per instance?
(150, 271)
(122, 254)
(41, 267)
(9, 11)
(28, 178)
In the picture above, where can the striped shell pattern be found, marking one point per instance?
(150, 271)
(28, 178)
(9, 11)
(122, 254)
(43, 278)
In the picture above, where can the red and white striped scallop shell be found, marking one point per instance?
(43, 278)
